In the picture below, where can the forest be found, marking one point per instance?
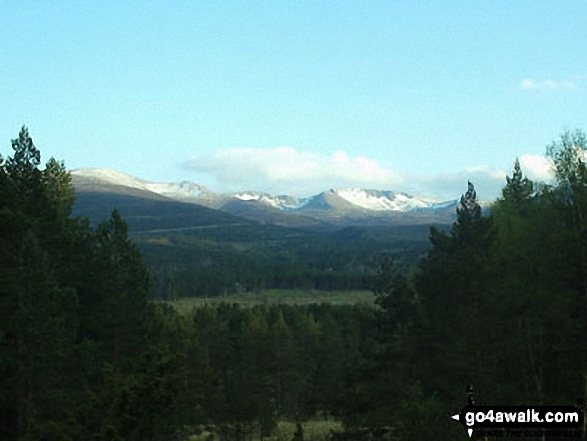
(195, 251)
(499, 302)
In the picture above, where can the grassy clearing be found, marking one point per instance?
(278, 296)
(314, 430)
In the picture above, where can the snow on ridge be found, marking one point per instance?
(261, 197)
(110, 176)
(380, 200)
(280, 202)
(247, 196)
(181, 190)
(374, 200)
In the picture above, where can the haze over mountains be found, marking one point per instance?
(334, 207)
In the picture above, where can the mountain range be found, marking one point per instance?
(198, 242)
(331, 208)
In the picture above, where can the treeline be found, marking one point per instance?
(260, 364)
(218, 281)
(210, 264)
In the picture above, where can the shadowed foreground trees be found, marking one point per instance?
(82, 353)
(85, 355)
(499, 302)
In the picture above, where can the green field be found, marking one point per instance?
(278, 296)
(313, 430)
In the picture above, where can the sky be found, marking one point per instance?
(297, 97)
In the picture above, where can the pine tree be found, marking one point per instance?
(468, 216)
(568, 154)
(59, 189)
(26, 157)
(398, 304)
(283, 364)
(82, 352)
(38, 311)
(519, 188)
(454, 284)
(117, 304)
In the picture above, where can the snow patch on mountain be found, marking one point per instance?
(184, 189)
(177, 190)
(110, 177)
(334, 199)
(381, 200)
(280, 202)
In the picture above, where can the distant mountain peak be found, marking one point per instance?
(109, 176)
(281, 202)
(179, 190)
(379, 200)
(335, 204)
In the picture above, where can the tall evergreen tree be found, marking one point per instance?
(454, 283)
(568, 154)
(80, 354)
(518, 188)
(26, 156)
(38, 311)
(516, 273)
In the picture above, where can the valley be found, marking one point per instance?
(200, 244)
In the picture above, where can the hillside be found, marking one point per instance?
(194, 250)
(331, 209)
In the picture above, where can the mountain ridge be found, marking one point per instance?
(340, 206)
(370, 199)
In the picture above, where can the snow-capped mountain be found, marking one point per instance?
(107, 176)
(281, 202)
(349, 198)
(178, 190)
(350, 204)
(377, 200)
(102, 176)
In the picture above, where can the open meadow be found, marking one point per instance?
(277, 297)
(313, 430)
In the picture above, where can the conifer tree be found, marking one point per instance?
(520, 286)
(38, 311)
(26, 156)
(80, 355)
(519, 188)
(469, 219)
(568, 154)
(454, 284)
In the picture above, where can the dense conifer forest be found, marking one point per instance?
(499, 301)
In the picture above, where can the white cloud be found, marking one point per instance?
(537, 168)
(531, 84)
(488, 183)
(285, 169)
(486, 171)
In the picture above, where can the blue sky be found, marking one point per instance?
(296, 96)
